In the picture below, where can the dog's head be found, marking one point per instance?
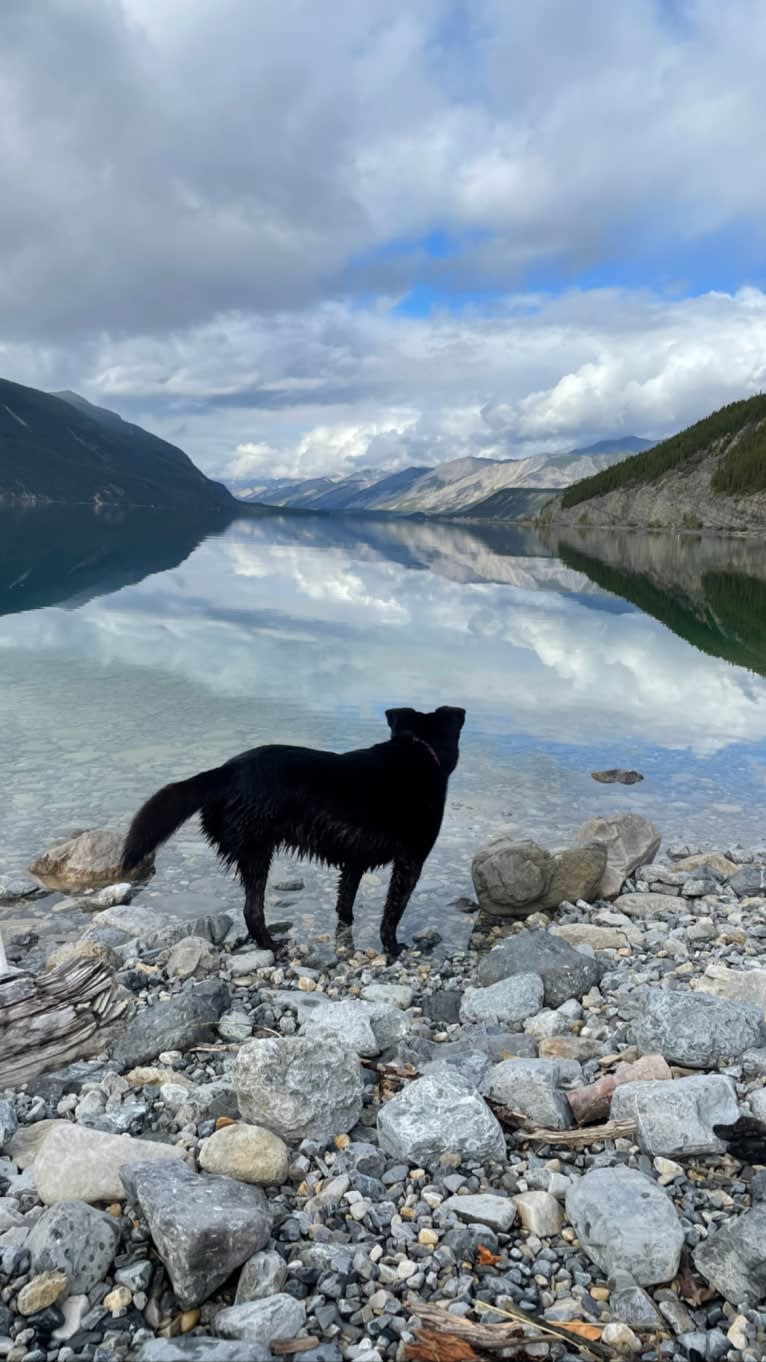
(440, 729)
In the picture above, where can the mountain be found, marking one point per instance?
(460, 485)
(60, 449)
(710, 476)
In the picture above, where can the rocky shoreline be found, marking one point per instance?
(295, 1157)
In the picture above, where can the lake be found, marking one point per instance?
(143, 650)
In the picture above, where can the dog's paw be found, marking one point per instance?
(394, 949)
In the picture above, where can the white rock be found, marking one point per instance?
(76, 1164)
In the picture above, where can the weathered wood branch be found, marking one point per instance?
(50, 1019)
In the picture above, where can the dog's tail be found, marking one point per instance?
(161, 815)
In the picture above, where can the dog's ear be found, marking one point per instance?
(452, 718)
(400, 720)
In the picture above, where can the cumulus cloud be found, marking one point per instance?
(211, 214)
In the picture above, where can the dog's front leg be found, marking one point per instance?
(404, 877)
(348, 885)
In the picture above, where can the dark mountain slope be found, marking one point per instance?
(64, 451)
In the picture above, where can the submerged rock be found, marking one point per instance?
(90, 860)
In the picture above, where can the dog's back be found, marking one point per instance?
(367, 806)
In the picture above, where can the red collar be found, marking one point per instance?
(428, 748)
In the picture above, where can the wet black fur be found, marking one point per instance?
(355, 810)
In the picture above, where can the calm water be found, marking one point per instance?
(145, 650)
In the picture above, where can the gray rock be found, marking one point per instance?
(208, 1101)
(366, 1027)
(435, 1115)
(203, 1227)
(262, 1275)
(738, 985)
(191, 1350)
(111, 896)
(249, 962)
(260, 1323)
(192, 957)
(509, 1000)
(8, 1122)
(677, 1118)
(749, 882)
(392, 995)
(74, 1238)
(235, 1026)
(188, 1019)
(565, 972)
(630, 841)
(733, 1260)
(530, 1087)
(498, 1212)
(52, 1086)
(299, 1087)
(629, 1303)
(693, 1029)
(15, 887)
(77, 1164)
(625, 1221)
(514, 879)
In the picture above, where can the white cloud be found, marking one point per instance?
(193, 194)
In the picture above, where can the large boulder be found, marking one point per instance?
(76, 1164)
(90, 860)
(629, 841)
(513, 879)
(677, 1118)
(693, 1029)
(435, 1115)
(74, 1238)
(203, 1227)
(624, 1221)
(565, 972)
(300, 1087)
(189, 1018)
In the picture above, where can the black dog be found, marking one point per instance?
(356, 810)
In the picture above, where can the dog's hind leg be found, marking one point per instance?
(348, 885)
(254, 872)
(404, 877)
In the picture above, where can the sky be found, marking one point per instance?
(302, 239)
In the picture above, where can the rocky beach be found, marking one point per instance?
(549, 1141)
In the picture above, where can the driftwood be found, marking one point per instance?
(50, 1019)
(578, 1139)
(514, 1333)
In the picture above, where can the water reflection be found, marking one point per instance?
(189, 644)
(710, 591)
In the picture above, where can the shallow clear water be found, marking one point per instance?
(646, 653)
